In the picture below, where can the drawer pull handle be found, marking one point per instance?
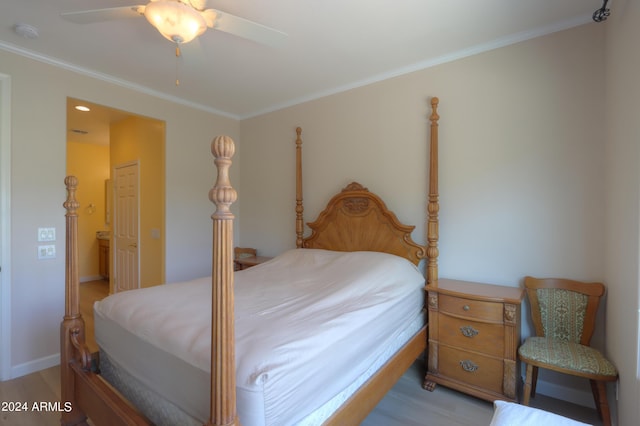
(468, 331)
(466, 308)
(468, 365)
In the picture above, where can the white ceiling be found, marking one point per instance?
(332, 45)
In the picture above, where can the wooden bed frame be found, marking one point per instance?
(354, 219)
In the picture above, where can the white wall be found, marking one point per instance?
(38, 145)
(622, 202)
(521, 161)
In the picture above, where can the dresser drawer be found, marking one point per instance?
(476, 336)
(469, 308)
(471, 368)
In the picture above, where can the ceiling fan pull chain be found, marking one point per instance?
(178, 54)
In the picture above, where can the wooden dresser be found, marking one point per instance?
(474, 333)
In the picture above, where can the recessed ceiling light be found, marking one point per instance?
(82, 108)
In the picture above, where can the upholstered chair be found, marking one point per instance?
(564, 316)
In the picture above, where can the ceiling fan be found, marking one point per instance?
(180, 21)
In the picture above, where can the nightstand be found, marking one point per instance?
(474, 333)
(248, 262)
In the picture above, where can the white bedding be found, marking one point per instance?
(308, 324)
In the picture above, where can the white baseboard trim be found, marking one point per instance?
(35, 365)
(564, 393)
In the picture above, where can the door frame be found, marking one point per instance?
(5, 227)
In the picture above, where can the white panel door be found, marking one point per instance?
(126, 228)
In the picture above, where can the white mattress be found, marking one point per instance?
(308, 324)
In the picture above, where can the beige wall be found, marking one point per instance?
(521, 158)
(90, 164)
(141, 140)
(38, 157)
(622, 171)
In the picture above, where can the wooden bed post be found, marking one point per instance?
(299, 207)
(72, 348)
(223, 371)
(433, 206)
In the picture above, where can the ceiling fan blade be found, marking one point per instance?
(250, 30)
(101, 15)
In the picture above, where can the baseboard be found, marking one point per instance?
(35, 365)
(565, 393)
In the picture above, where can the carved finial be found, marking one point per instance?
(222, 194)
(71, 204)
(434, 109)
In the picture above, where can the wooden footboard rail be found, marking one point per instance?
(90, 396)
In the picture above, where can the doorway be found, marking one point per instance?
(116, 138)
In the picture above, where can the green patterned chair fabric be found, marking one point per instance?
(562, 313)
(564, 316)
(567, 356)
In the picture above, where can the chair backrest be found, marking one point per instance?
(564, 309)
(240, 252)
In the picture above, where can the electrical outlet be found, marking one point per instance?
(46, 234)
(47, 252)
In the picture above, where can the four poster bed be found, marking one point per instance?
(320, 333)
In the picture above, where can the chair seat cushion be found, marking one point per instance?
(568, 356)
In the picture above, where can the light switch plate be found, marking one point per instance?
(46, 234)
(47, 252)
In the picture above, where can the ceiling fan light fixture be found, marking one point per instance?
(175, 20)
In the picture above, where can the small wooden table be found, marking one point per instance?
(249, 261)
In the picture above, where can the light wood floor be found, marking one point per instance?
(407, 404)
(90, 292)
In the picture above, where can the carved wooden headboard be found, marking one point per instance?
(358, 220)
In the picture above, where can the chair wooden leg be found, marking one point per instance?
(596, 396)
(602, 404)
(534, 382)
(527, 385)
